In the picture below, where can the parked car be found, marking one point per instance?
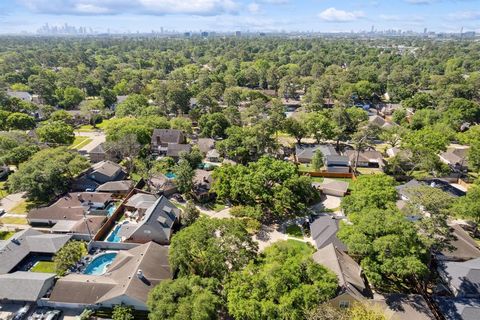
(22, 312)
(53, 315)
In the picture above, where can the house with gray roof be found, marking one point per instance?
(351, 285)
(22, 95)
(24, 286)
(128, 280)
(121, 187)
(205, 144)
(334, 162)
(399, 306)
(98, 174)
(463, 246)
(458, 308)
(324, 230)
(141, 201)
(456, 158)
(169, 142)
(333, 187)
(366, 159)
(27, 243)
(462, 278)
(155, 225)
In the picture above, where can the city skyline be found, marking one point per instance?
(121, 16)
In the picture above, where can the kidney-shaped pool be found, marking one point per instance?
(100, 263)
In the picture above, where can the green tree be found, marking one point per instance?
(70, 97)
(211, 248)
(317, 160)
(56, 132)
(190, 214)
(121, 312)
(68, 256)
(192, 298)
(181, 123)
(468, 207)
(61, 115)
(282, 284)
(48, 173)
(135, 105)
(20, 121)
(184, 176)
(295, 128)
(388, 246)
(213, 125)
(370, 191)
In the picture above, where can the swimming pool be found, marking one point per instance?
(111, 209)
(170, 175)
(100, 263)
(112, 237)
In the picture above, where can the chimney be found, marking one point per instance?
(140, 274)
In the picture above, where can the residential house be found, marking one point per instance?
(202, 182)
(456, 158)
(82, 229)
(98, 174)
(323, 231)
(389, 108)
(399, 306)
(205, 145)
(304, 152)
(351, 285)
(156, 224)
(24, 248)
(169, 142)
(333, 187)
(162, 185)
(462, 278)
(22, 95)
(21, 286)
(337, 164)
(464, 247)
(213, 156)
(72, 206)
(98, 154)
(366, 159)
(380, 122)
(458, 308)
(106, 171)
(117, 188)
(128, 280)
(141, 201)
(333, 161)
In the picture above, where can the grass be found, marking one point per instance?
(217, 207)
(21, 208)
(86, 128)
(303, 167)
(369, 170)
(3, 190)
(5, 235)
(13, 220)
(44, 267)
(317, 179)
(104, 124)
(294, 230)
(80, 142)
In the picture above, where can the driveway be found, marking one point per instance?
(11, 201)
(97, 137)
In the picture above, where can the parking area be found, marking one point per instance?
(8, 311)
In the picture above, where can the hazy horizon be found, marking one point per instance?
(123, 16)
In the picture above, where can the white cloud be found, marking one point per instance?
(335, 15)
(465, 15)
(253, 7)
(153, 7)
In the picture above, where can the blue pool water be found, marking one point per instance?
(100, 264)
(170, 175)
(112, 237)
(111, 209)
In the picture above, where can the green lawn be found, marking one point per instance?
(86, 128)
(104, 124)
(317, 179)
(5, 235)
(13, 220)
(3, 190)
(21, 208)
(80, 142)
(294, 231)
(44, 267)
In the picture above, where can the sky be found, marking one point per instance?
(245, 15)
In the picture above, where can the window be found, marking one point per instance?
(344, 304)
